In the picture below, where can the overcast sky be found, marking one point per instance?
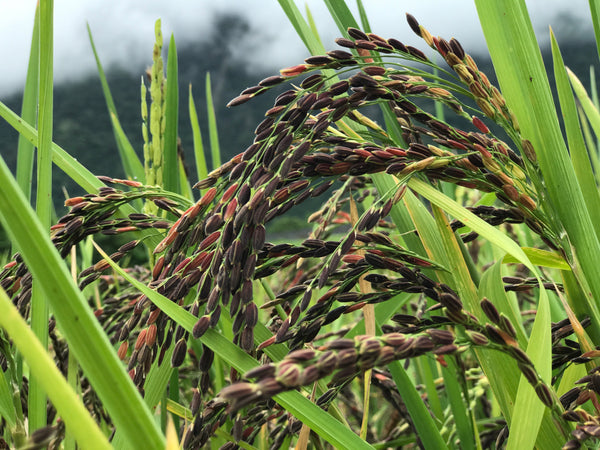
(124, 29)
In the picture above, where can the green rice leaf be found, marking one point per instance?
(591, 112)
(470, 220)
(426, 428)
(302, 28)
(44, 207)
(134, 168)
(529, 410)
(312, 24)
(595, 12)
(78, 420)
(577, 148)
(7, 407)
(590, 142)
(540, 257)
(364, 19)
(25, 149)
(213, 134)
(61, 158)
(462, 418)
(572, 373)
(341, 15)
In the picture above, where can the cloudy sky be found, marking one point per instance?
(124, 29)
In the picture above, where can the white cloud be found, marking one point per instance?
(124, 29)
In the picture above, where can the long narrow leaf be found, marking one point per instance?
(427, 431)
(462, 418)
(472, 221)
(7, 408)
(542, 258)
(44, 207)
(529, 410)
(590, 142)
(577, 148)
(341, 15)
(301, 26)
(70, 408)
(25, 149)
(133, 166)
(595, 11)
(213, 133)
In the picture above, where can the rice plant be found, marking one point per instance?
(444, 297)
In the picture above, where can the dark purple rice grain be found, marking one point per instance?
(477, 338)
(446, 48)
(357, 34)
(246, 292)
(271, 81)
(285, 98)
(213, 299)
(237, 171)
(490, 310)
(179, 353)
(520, 355)
(544, 394)
(321, 125)
(264, 134)
(206, 359)
(366, 45)
(306, 102)
(247, 339)
(450, 301)
(196, 402)
(251, 90)
(416, 53)
(235, 303)
(457, 49)
(319, 60)
(395, 43)
(251, 314)
(494, 334)
(248, 269)
(311, 81)
(530, 374)
(240, 99)
(362, 79)
(507, 326)
(264, 125)
(339, 113)
(343, 42)
(340, 54)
